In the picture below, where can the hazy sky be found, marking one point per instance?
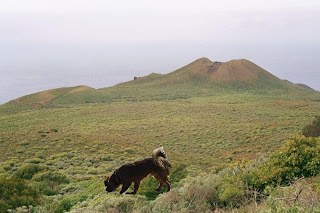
(48, 44)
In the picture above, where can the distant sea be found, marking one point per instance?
(25, 70)
(24, 83)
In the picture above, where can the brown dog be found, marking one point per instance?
(129, 173)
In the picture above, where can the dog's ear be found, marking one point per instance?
(107, 178)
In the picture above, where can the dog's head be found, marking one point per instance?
(112, 183)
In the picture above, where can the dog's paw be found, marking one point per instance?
(131, 193)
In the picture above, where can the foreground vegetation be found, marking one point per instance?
(288, 181)
(220, 137)
(203, 132)
(55, 157)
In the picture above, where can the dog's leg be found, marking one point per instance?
(136, 187)
(125, 186)
(159, 187)
(160, 182)
(168, 185)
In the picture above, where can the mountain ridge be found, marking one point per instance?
(201, 77)
(203, 71)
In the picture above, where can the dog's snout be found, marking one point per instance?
(108, 189)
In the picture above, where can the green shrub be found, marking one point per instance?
(34, 160)
(4, 174)
(76, 170)
(122, 204)
(39, 155)
(231, 193)
(230, 187)
(7, 167)
(300, 157)
(227, 189)
(27, 171)
(94, 188)
(46, 187)
(14, 192)
(67, 202)
(3, 206)
(71, 189)
(312, 130)
(51, 162)
(106, 158)
(48, 182)
(93, 171)
(53, 176)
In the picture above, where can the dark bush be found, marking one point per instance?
(34, 160)
(53, 176)
(14, 192)
(46, 187)
(3, 206)
(312, 130)
(28, 170)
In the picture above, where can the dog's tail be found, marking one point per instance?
(159, 152)
(160, 158)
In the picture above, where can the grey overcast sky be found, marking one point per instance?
(47, 44)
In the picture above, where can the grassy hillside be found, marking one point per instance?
(239, 125)
(201, 78)
(304, 86)
(205, 117)
(76, 95)
(206, 73)
(204, 78)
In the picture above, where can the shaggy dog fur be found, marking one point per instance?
(129, 173)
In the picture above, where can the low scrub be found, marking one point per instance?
(67, 202)
(277, 184)
(300, 157)
(262, 185)
(53, 176)
(15, 192)
(312, 130)
(27, 171)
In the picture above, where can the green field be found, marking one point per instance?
(84, 133)
(205, 131)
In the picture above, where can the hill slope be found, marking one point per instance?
(205, 78)
(304, 86)
(50, 96)
(236, 113)
(199, 78)
(204, 72)
(64, 95)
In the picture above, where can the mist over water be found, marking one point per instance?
(32, 68)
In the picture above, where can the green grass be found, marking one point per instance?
(205, 132)
(83, 133)
(91, 140)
